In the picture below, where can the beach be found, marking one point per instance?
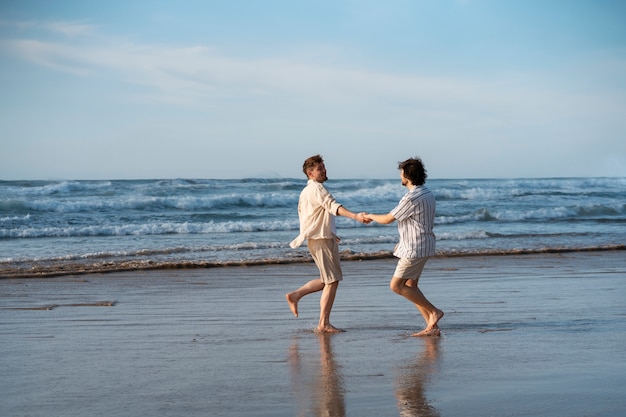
(537, 334)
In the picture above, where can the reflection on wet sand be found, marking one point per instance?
(412, 379)
(317, 382)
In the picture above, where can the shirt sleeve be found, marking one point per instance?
(327, 200)
(403, 210)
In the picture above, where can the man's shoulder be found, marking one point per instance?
(419, 193)
(313, 187)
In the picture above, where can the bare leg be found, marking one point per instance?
(310, 287)
(411, 283)
(326, 304)
(431, 314)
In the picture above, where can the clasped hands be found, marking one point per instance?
(363, 218)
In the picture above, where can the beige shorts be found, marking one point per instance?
(410, 268)
(325, 253)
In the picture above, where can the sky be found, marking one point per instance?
(149, 89)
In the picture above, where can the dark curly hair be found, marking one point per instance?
(414, 169)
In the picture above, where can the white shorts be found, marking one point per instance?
(410, 268)
(325, 253)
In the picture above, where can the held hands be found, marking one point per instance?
(363, 218)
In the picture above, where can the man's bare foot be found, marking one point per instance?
(434, 319)
(432, 329)
(433, 332)
(328, 329)
(293, 304)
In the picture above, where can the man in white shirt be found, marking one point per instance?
(415, 214)
(317, 209)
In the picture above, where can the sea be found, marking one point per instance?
(74, 226)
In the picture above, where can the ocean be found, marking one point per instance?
(58, 227)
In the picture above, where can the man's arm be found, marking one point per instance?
(342, 211)
(381, 218)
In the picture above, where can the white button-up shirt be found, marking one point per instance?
(317, 209)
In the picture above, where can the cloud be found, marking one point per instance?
(200, 72)
(497, 122)
(203, 76)
(73, 29)
(70, 28)
(51, 55)
(191, 75)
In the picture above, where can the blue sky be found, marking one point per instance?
(234, 89)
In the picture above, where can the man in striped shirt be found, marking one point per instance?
(415, 214)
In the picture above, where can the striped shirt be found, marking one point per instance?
(415, 214)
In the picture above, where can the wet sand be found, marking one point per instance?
(539, 335)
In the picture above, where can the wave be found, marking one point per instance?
(24, 218)
(43, 188)
(238, 249)
(164, 228)
(483, 234)
(590, 211)
(523, 188)
(142, 253)
(71, 267)
(148, 203)
(195, 195)
(20, 226)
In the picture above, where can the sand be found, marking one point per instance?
(538, 335)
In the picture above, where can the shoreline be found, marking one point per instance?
(539, 335)
(58, 269)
